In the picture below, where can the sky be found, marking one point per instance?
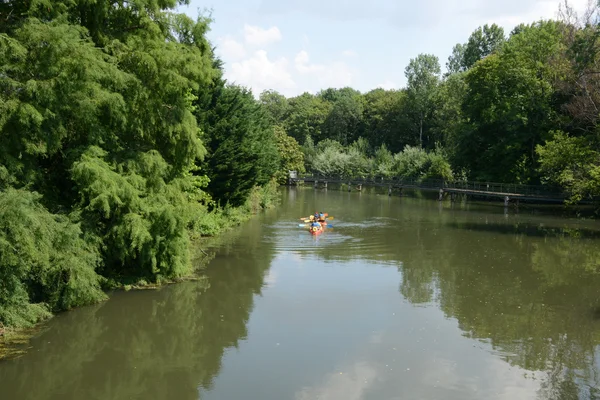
(297, 46)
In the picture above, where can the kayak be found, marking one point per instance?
(315, 231)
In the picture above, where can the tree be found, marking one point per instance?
(573, 163)
(482, 42)
(276, 104)
(344, 120)
(385, 119)
(448, 119)
(510, 106)
(456, 61)
(291, 156)
(423, 74)
(306, 116)
(241, 142)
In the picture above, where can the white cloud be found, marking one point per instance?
(335, 74)
(347, 385)
(260, 73)
(257, 36)
(231, 49)
(388, 85)
(247, 63)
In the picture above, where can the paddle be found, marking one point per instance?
(305, 225)
(308, 219)
(325, 214)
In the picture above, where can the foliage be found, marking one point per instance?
(242, 145)
(119, 141)
(333, 159)
(510, 105)
(291, 156)
(416, 163)
(45, 262)
(572, 163)
(422, 74)
(306, 116)
(494, 112)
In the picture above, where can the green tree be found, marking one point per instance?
(423, 74)
(573, 163)
(448, 119)
(482, 42)
(45, 264)
(306, 116)
(343, 123)
(385, 119)
(291, 155)
(510, 106)
(456, 61)
(241, 142)
(276, 104)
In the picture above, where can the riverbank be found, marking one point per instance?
(204, 234)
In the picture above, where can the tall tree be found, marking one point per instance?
(306, 116)
(241, 143)
(343, 123)
(456, 61)
(482, 42)
(385, 119)
(423, 75)
(276, 104)
(511, 106)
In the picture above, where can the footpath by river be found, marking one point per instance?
(404, 298)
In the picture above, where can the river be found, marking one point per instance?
(404, 298)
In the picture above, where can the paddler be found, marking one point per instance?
(315, 226)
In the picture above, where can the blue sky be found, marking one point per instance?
(294, 46)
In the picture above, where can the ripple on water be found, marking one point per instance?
(289, 237)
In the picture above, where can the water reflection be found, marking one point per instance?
(403, 298)
(527, 285)
(148, 344)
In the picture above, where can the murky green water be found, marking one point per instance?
(405, 298)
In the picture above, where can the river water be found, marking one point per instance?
(404, 298)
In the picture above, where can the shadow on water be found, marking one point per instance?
(150, 344)
(528, 229)
(535, 298)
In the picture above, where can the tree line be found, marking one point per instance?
(121, 144)
(520, 108)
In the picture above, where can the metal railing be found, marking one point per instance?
(492, 187)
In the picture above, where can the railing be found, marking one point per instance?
(493, 187)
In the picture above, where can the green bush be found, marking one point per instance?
(45, 263)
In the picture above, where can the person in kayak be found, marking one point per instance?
(315, 226)
(321, 217)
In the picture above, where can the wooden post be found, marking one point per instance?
(316, 181)
(359, 187)
(401, 191)
(325, 185)
(452, 197)
(349, 186)
(389, 190)
(441, 195)
(506, 200)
